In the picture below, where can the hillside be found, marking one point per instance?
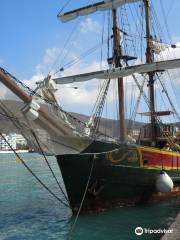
(108, 126)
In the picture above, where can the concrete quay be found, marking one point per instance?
(175, 226)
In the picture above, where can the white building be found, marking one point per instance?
(136, 132)
(20, 140)
(13, 140)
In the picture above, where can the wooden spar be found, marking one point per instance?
(10, 84)
(114, 73)
(150, 59)
(117, 54)
(159, 113)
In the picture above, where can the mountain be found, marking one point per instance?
(107, 126)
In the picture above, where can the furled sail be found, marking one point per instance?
(120, 72)
(100, 6)
(159, 47)
(159, 113)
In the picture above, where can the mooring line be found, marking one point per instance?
(33, 174)
(53, 174)
(82, 201)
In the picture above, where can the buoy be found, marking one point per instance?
(164, 183)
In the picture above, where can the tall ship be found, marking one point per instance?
(101, 170)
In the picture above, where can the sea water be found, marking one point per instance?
(29, 212)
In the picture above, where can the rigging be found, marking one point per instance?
(33, 174)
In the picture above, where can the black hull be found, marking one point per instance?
(110, 184)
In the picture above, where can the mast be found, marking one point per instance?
(150, 59)
(117, 53)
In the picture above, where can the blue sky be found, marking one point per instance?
(31, 32)
(29, 27)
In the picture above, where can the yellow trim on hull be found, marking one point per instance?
(159, 167)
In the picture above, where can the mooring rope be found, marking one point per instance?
(50, 168)
(83, 198)
(33, 174)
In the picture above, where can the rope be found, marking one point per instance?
(100, 106)
(63, 50)
(38, 95)
(81, 56)
(58, 108)
(19, 125)
(53, 174)
(63, 7)
(102, 40)
(165, 19)
(82, 201)
(169, 99)
(134, 112)
(158, 121)
(33, 174)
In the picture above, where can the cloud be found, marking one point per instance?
(51, 54)
(47, 63)
(89, 25)
(87, 92)
(53, 57)
(175, 39)
(66, 94)
(5, 93)
(32, 81)
(84, 95)
(172, 53)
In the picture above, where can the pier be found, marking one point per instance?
(175, 226)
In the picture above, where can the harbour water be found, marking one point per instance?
(29, 212)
